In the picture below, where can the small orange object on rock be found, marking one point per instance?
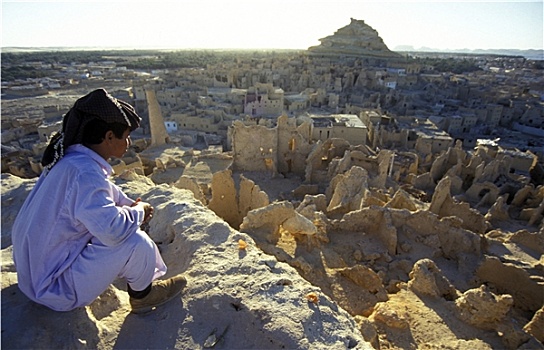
(242, 244)
(312, 297)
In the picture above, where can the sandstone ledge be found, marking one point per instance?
(244, 297)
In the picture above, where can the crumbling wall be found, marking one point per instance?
(232, 204)
(454, 156)
(224, 201)
(250, 197)
(321, 156)
(254, 148)
(443, 205)
(266, 224)
(384, 163)
(293, 146)
(536, 326)
(375, 221)
(403, 200)
(185, 182)
(347, 191)
(282, 149)
(427, 279)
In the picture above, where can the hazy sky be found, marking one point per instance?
(290, 24)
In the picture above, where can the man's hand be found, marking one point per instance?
(148, 209)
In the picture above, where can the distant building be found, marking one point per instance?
(297, 102)
(171, 126)
(494, 113)
(522, 162)
(345, 126)
(263, 100)
(435, 143)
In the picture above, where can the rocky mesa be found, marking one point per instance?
(355, 39)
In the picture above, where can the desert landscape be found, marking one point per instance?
(292, 237)
(353, 249)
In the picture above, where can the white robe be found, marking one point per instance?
(77, 232)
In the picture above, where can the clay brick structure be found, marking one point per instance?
(159, 136)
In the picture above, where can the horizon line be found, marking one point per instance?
(241, 48)
(533, 54)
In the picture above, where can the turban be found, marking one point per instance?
(98, 104)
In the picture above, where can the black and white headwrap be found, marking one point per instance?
(98, 104)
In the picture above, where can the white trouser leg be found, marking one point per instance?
(137, 259)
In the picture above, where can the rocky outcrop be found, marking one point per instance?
(347, 191)
(427, 279)
(237, 295)
(443, 205)
(355, 39)
(525, 285)
(482, 308)
(14, 192)
(536, 325)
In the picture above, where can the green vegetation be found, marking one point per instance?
(22, 72)
(50, 57)
(15, 65)
(451, 65)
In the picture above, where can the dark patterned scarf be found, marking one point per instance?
(98, 104)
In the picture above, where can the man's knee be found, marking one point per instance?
(141, 243)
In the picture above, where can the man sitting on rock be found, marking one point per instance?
(77, 231)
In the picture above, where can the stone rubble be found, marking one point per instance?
(361, 241)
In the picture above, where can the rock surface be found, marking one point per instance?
(357, 39)
(242, 297)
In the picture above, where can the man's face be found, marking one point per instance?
(120, 146)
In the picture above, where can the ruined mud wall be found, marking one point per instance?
(254, 148)
(293, 146)
(376, 237)
(282, 149)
